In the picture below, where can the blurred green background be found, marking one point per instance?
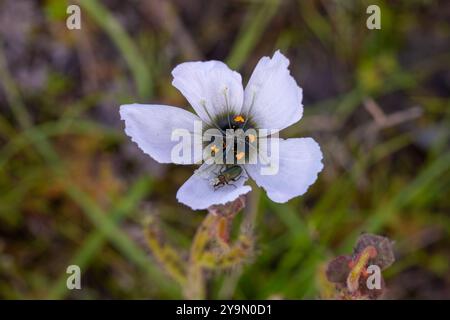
(75, 190)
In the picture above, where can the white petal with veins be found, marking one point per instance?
(210, 87)
(272, 97)
(151, 127)
(299, 164)
(198, 191)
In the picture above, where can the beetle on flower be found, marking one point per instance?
(271, 101)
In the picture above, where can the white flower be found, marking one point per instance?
(272, 100)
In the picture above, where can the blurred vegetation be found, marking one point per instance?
(75, 190)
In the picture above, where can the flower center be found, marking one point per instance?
(234, 140)
(234, 122)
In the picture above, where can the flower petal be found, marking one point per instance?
(299, 164)
(210, 87)
(198, 192)
(151, 128)
(272, 97)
